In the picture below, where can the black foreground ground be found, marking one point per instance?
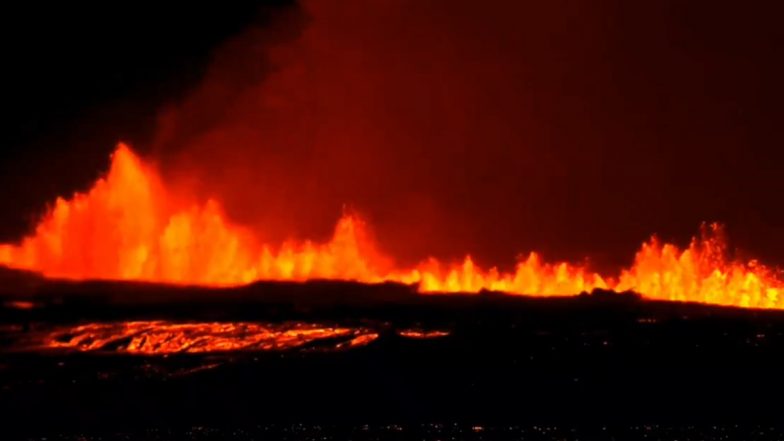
(598, 366)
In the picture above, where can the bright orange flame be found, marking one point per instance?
(128, 227)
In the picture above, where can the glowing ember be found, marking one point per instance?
(129, 227)
(158, 337)
(414, 333)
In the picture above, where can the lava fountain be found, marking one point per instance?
(128, 226)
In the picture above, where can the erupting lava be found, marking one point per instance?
(129, 227)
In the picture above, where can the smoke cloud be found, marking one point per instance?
(567, 127)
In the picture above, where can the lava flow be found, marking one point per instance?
(160, 337)
(128, 227)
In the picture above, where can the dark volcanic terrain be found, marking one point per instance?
(158, 362)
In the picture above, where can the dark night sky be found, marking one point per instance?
(576, 128)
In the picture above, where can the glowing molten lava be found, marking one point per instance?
(129, 227)
(160, 337)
